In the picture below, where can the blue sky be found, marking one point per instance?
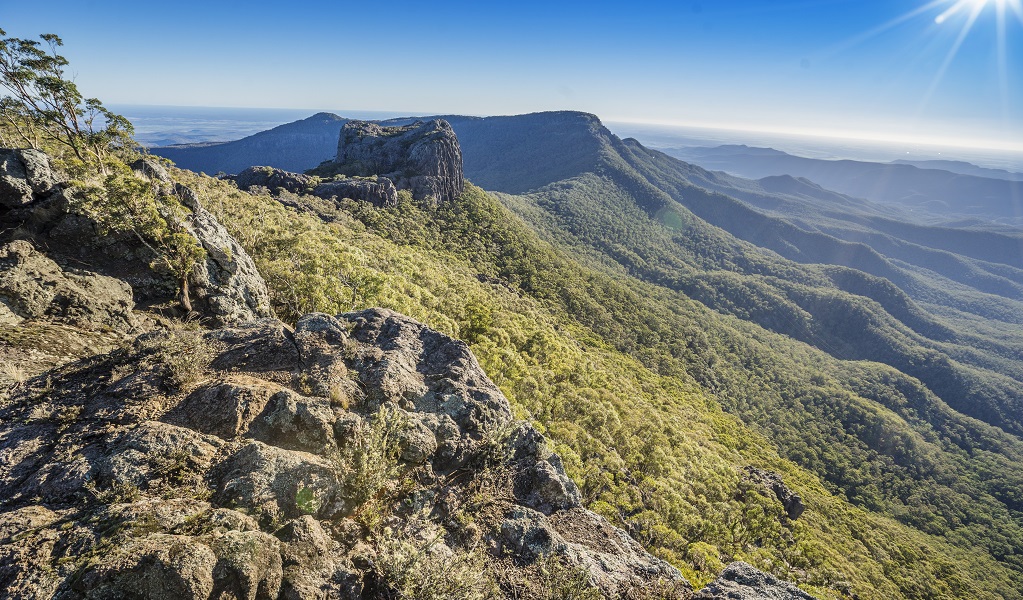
(770, 64)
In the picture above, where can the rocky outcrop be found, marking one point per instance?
(740, 581)
(424, 158)
(226, 286)
(34, 287)
(263, 462)
(274, 180)
(25, 177)
(770, 481)
(378, 191)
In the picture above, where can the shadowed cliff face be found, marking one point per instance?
(423, 158)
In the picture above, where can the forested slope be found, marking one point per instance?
(630, 378)
(668, 334)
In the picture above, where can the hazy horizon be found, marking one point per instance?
(161, 125)
(902, 69)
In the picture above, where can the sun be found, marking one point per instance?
(973, 8)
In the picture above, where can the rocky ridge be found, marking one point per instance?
(378, 192)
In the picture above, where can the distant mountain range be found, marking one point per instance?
(958, 189)
(962, 167)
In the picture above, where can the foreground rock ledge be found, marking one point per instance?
(246, 462)
(741, 581)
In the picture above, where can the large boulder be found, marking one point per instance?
(771, 482)
(32, 286)
(226, 287)
(25, 177)
(424, 158)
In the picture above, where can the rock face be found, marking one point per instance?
(32, 287)
(226, 287)
(771, 481)
(25, 177)
(274, 180)
(422, 157)
(379, 192)
(740, 581)
(263, 462)
(229, 288)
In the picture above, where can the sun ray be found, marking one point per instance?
(955, 8)
(1003, 64)
(1017, 7)
(954, 50)
(866, 35)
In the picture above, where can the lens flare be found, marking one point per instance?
(969, 12)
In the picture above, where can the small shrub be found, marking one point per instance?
(429, 570)
(369, 459)
(306, 501)
(555, 579)
(180, 352)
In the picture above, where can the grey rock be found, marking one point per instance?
(32, 286)
(295, 422)
(257, 347)
(741, 581)
(152, 168)
(222, 408)
(274, 180)
(248, 565)
(617, 564)
(541, 482)
(154, 453)
(227, 284)
(418, 442)
(26, 176)
(402, 361)
(311, 566)
(273, 482)
(159, 566)
(771, 481)
(527, 534)
(424, 158)
(379, 192)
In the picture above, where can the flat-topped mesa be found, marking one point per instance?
(423, 157)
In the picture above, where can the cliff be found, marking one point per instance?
(424, 158)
